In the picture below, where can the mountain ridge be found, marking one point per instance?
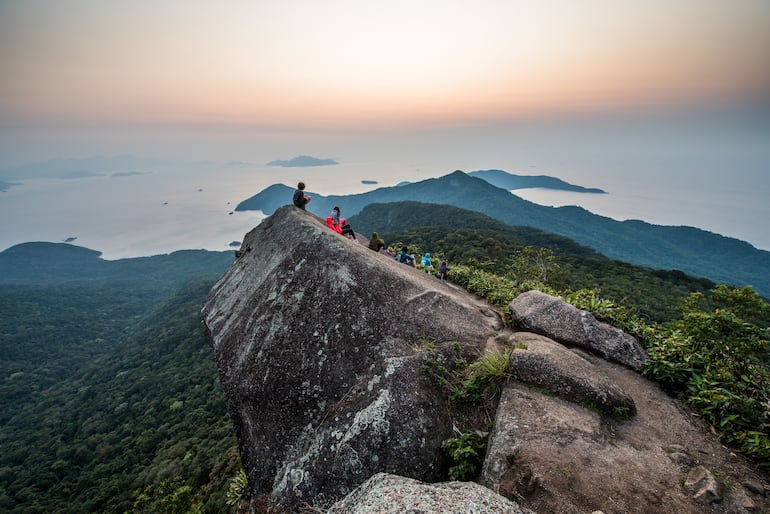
(692, 250)
(505, 180)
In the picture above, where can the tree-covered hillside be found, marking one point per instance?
(110, 401)
(57, 263)
(467, 237)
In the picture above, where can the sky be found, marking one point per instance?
(82, 77)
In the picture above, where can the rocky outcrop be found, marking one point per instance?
(321, 345)
(390, 494)
(552, 455)
(550, 366)
(550, 316)
(317, 343)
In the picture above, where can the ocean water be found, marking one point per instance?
(191, 206)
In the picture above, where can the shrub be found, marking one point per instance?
(715, 361)
(466, 453)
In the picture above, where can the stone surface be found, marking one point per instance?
(556, 456)
(538, 312)
(551, 366)
(390, 494)
(704, 486)
(317, 346)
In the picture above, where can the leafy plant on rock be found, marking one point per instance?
(466, 453)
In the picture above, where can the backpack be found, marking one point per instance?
(299, 198)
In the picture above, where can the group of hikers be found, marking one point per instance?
(341, 226)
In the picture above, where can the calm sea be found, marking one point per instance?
(168, 208)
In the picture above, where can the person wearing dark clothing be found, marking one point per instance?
(443, 271)
(404, 257)
(300, 198)
(346, 230)
(375, 243)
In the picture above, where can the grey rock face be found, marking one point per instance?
(704, 486)
(315, 339)
(389, 494)
(550, 316)
(549, 365)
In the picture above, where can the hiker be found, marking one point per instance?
(347, 231)
(375, 243)
(300, 198)
(443, 271)
(426, 265)
(335, 219)
(404, 257)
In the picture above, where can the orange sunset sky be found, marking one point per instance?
(305, 65)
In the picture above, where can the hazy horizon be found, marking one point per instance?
(669, 98)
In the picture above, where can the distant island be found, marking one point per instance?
(303, 161)
(5, 185)
(129, 173)
(70, 239)
(509, 181)
(369, 182)
(76, 168)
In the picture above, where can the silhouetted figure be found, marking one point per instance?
(300, 198)
(443, 271)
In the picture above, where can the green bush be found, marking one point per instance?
(466, 453)
(717, 362)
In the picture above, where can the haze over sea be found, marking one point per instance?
(175, 205)
(664, 105)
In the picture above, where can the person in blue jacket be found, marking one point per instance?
(404, 257)
(426, 265)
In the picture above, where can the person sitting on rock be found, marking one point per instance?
(347, 231)
(335, 216)
(443, 271)
(405, 257)
(426, 265)
(300, 198)
(333, 221)
(376, 243)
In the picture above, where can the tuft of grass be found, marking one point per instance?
(423, 344)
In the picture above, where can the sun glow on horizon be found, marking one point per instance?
(345, 63)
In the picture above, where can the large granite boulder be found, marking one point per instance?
(550, 366)
(557, 455)
(318, 344)
(552, 317)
